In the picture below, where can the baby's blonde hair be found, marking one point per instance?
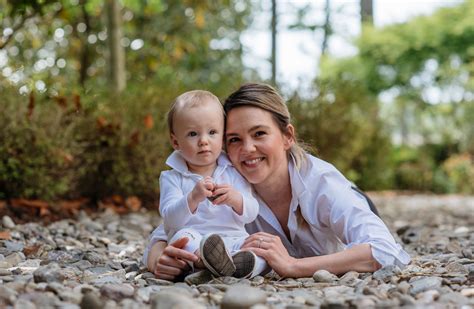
(190, 99)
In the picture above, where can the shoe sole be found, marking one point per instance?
(244, 262)
(215, 257)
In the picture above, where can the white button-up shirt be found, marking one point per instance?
(325, 216)
(176, 184)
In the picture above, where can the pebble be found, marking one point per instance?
(242, 296)
(324, 276)
(95, 262)
(425, 284)
(7, 222)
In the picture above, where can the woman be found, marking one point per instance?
(309, 219)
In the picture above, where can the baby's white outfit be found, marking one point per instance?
(176, 184)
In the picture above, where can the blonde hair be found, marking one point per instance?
(267, 98)
(190, 99)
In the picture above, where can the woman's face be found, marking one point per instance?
(256, 146)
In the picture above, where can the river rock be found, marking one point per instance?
(242, 296)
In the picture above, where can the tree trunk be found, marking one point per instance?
(84, 58)
(366, 12)
(273, 59)
(117, 76)
(326, 27)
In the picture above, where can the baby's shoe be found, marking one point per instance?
(245, 264)
(215, 256)
(199, 277)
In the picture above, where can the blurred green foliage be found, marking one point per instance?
(63, 134)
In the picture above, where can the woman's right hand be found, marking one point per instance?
(168, 262)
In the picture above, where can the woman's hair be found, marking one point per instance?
(267, 98)
(190, 99)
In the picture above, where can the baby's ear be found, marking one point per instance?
(174, 142)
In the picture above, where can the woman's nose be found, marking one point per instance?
(248, 146)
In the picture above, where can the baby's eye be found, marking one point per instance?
(213, 132)
(192, 133)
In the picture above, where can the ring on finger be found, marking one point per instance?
(260, 240)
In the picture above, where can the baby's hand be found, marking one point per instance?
(202, 189)
(226, 194)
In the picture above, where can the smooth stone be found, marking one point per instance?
(407, 300)
(117, 291)
(8, 222)
(454, 267)
(24, 304)
(15, 258)
(350, 278)
(386, 273)
(403, 287)
(324, 276)
(453, 297)
(49, 273)
(428, 296)
(425, 284)
(200, 277)
(143, 294)
(91, 300)
(156, 281)
(13, 246)
(5, 272)
(64, 257)
(7, 295)
(208, 288)
(174, 298)
(94, 258)
(467, 292)
(467, 253)
(257, 280)
(242, 296)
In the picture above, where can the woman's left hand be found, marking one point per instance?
(271, 248)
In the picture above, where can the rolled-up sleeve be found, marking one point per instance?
(174, 208)
(354, 223)
(157, 235)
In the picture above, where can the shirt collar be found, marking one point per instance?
(298, 186)
(177, 162)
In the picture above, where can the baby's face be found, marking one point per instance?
(198, 134)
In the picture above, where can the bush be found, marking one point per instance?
(72, 146)
(460, 171)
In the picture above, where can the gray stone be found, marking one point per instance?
(200, 277)
(324, 276)
(91, 301)
(174, 298)
(454, 298)
(7, 222)
(242, 296)
(425, 284)
(13, 246)
(64, 257)
(386, 273)
(49, 273)
(7, 295)
(117, 291)
(14, 259)
(143, 294)
(350, 278)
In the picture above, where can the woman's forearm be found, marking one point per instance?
(358, 258)
(155, 251)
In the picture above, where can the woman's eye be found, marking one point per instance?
(192, 133)
(260, 133)
(232, 140)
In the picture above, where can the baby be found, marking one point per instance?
(203, 197)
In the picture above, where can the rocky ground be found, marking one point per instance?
(94, 262)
